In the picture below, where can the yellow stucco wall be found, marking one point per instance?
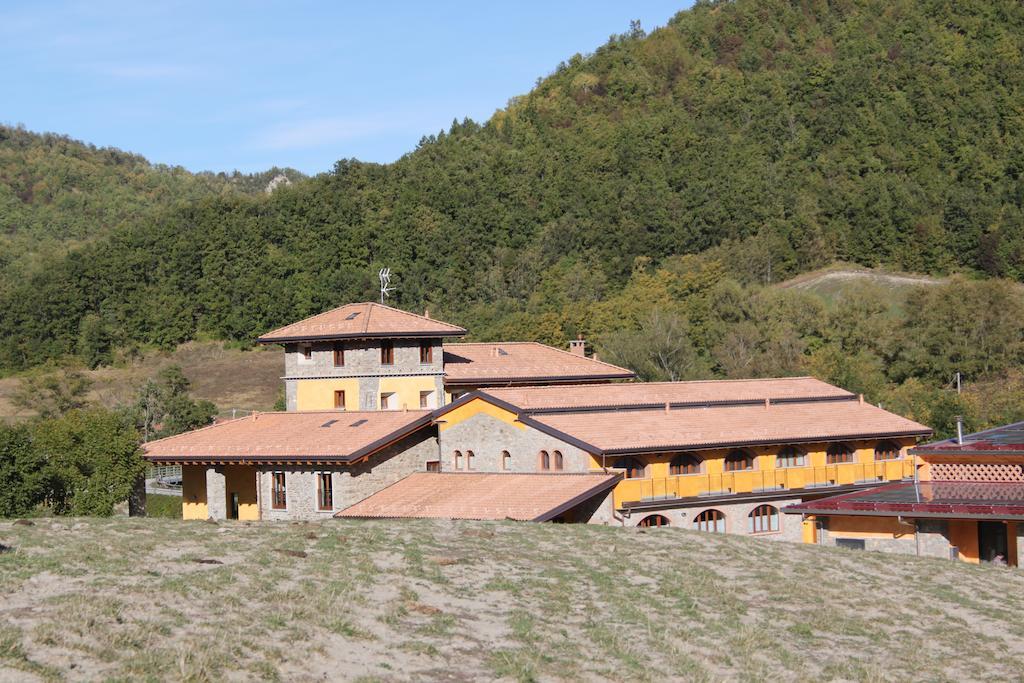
(476, 407)
(241, 479)
(963, 533)
(407, 390)
(193, 492)
(856, 526)
(318, 394)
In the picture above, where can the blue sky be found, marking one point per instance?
(232, 85)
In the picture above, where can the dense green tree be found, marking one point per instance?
(93, 459)
(23, 472)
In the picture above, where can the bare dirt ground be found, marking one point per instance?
(231, 378)
(150, 599)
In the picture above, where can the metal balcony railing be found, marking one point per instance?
(751, 481)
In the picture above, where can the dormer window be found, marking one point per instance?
(387, 352)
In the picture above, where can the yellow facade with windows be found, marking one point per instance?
(405, 392)
(318, 394)
(658, 482)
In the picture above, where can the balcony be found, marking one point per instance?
(756, 481)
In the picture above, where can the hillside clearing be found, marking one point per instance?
(231, 378)
(437, 600)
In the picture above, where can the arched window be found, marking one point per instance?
(458, 460)
(887, 450)
(739, 460)
(559, 461)
(633, 468)
(763, 519)
(544, 460)
(710, 520)
(653, 520)
(790, 457)
(684, 463)
(506, 460)
(469, 459)
(838, 453)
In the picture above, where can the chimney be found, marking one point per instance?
(860, 398)
(668, 407)
(578, 346)
(960, 430)
(426, 313)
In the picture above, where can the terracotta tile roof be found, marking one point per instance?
(296, 436)
(951, 499)
(616, 431)
(1003, 440)
(470, 495)
(660, 393)
(503, 362)
(353, 321)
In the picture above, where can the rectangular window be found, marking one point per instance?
(387, 401)
(387, 352)
(306, 353)
(339, 355)
(433, 466)
(426, 399)
(851, 543)
(426, 352)
(339, 400)
(278, 494)
(324, 491)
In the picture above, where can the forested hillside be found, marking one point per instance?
(651, 188)
(56, 193)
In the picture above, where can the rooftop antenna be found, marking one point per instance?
(385, 283)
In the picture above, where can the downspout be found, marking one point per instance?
(917, 535)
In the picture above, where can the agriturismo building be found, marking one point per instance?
(386, 418)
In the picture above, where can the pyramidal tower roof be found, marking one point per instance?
(361, 321)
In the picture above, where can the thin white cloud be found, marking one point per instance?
(322, 131)
(146, 72)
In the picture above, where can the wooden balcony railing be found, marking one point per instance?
(748, 481)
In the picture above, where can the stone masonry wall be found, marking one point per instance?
(362, 357)
(736, 515)
(216, 494)
(350, 484)
(488, 436)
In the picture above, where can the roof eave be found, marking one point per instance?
(360, 335)
(763, 442)
(529, 380)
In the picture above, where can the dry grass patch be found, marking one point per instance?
(423, 600)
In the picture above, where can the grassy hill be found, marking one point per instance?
(420, 600)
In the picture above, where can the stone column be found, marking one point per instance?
(216, 493)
